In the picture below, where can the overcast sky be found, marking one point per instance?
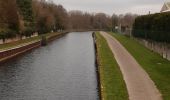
(113, 6)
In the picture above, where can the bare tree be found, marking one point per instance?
(49, 16)
(114, 20)
(9, 20)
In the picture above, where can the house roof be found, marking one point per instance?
(166, 7)
(167, 4)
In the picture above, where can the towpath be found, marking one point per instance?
(138, 82)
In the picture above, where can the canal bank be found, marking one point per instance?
(17, 50)
(97, 67)
(111, 83)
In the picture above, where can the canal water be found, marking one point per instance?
(62, 70)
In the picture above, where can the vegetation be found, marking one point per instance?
(49, 16)
(17, 43)
(113, 86)
(20, 18)
(80, 20)
(126, 20)
(153, 63)
(24, 41)
(8, 19)
(153, 27)
(26, 18)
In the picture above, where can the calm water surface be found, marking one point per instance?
(63, 70)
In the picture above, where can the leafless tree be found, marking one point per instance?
(9, 14)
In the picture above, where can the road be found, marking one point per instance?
(138, 82)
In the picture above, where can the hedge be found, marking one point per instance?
(153, 27)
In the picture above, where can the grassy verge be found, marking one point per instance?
(157, 67)
(20, 42)
(113, 85)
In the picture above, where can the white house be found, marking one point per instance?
(166, 7)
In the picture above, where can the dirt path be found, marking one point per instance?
(138, 82)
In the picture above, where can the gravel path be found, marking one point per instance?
(138, 82)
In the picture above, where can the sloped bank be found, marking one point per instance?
(18, 50)
(110, 79)
(97, 67)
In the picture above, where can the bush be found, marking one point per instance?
(7, 33)
(154, 27)
(28, 32)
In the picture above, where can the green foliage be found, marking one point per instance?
(9, 19)
(7, 33)
(41, 26)
(154, 27)
(26, 11)
(28, 32)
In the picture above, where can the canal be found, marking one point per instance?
(62, 70)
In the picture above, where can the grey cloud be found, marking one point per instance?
(113, 6)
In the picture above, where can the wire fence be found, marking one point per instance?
(158, 43)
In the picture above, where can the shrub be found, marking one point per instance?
(7, 33)
(154, 27)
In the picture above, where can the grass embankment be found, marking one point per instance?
(157, 67)
(113, 85)
(24, 41)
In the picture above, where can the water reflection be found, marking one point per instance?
(63, 70)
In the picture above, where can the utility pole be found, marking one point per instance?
(149, 12)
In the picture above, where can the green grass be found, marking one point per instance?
(20, 42)
(157, 67)
(17, 43)
(114, 87)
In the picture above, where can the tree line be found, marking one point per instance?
(25, 17)
(153, 27)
